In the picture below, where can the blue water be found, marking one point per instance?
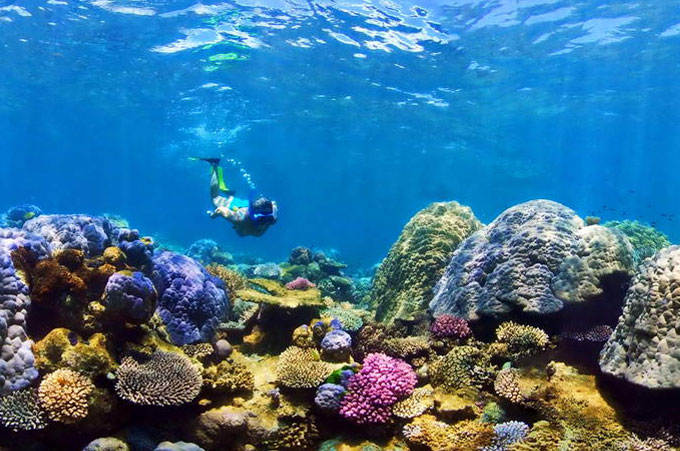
(352, 115)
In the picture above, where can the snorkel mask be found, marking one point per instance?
(261, 211)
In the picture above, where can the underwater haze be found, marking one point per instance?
(352, 115)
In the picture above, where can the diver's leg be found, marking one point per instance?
(214, 184)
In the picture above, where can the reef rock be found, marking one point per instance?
(403, 283)
(533, 258)
(644, 346)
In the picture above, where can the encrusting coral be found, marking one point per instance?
(428, 432)
(64, 348)
(403, 283)
(64, 395)
(160, 379)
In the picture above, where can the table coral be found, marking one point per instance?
(404, 281)
(161, 379)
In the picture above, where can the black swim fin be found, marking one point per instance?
(212, 161)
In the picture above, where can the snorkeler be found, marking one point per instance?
(249, 217)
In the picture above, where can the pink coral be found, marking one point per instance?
(371, 393)
(300, 284)
(449, 326)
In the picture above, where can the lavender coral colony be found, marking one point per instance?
(461, 340)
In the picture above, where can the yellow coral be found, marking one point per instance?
(463, 366)
(233, 280)
(64, 348)
(228, 377)
(198, 350)
(403, 283)
(418, 403)
(274, 293)
(521, 340)
(303, 337)
(301, 368)
(64, 396)
(435, 435)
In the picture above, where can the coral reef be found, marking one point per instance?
(533, 258)
(207, 251)
(228, 377)
(419, 402)
(21, 411)
(232, 279)
(64, 396)
(645, 239)
(349, 317)
(16, 216)
(641, 348)
(161, 379)
(449, 326)
(328, 396)
(273, 293)
(300, 256)
(62, 348)
(426, 431)
(191, 302)
(371, 393)
(403, 283)
(507, 385)
(107, 444)
(301, 368)
(130, 296)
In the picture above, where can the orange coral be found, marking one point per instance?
(64, 396)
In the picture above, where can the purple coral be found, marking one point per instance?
(336, 344)
(371, 393)
(191, 302)
(300, 284)
(88, 234)
(329, 396)
(450, 326)
(131, 296)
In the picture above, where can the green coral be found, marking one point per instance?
(463, 366)
(646, 240)
(405, 279)
(492, 413)
(349, 318)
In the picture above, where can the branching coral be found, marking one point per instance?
(428, 432)
(449, 326)
(419, 402)
(299, 435)
(463, 366)
(404, 281)
(64, 395)
(301, 368)
(507, 385)
(371, 393)
(21, 411)
(198, 350)
(228, 377)
(521, 340)
(161, 379)
(232, 279)
(349, 318)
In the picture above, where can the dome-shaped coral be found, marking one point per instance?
(130, 296)
(64, 394)
(336, 345)
(404, 281)
(161, 379)
(328, 396)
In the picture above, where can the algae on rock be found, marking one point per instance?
(404, 281)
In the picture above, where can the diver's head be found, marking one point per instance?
(262, 211)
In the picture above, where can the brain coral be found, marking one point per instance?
(161, 379)
(64, 396)
(21, 411)
(642, 347)
(646, 240)
(533, 258)
(191, 301)
(88, 234)
(17, 368)
(131, 296)
(371, 393)
(403, 283)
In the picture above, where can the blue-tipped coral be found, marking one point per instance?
(191, 301)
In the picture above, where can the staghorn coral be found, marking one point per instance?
(533, 258)
(641, 348)
(64, 396)
(21, 411)
(507, 434)
(403, 283)
(228, 377)
(449, 326)
(426, 431)
(645, 239)
(463, 366)
(371, 393)
(301, 368)
(419, 402)
(191, 302)
(507, 386)
(521, 340)
(160, 379)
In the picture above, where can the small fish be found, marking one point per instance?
(29, 215)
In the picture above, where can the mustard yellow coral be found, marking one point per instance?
(233, 280)
(274, 293)
(463, 366)
(64, 396)
(426, 431)
(228, 377)
(301, 368)
(62, 348)
(521, 340)
(405, 279)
